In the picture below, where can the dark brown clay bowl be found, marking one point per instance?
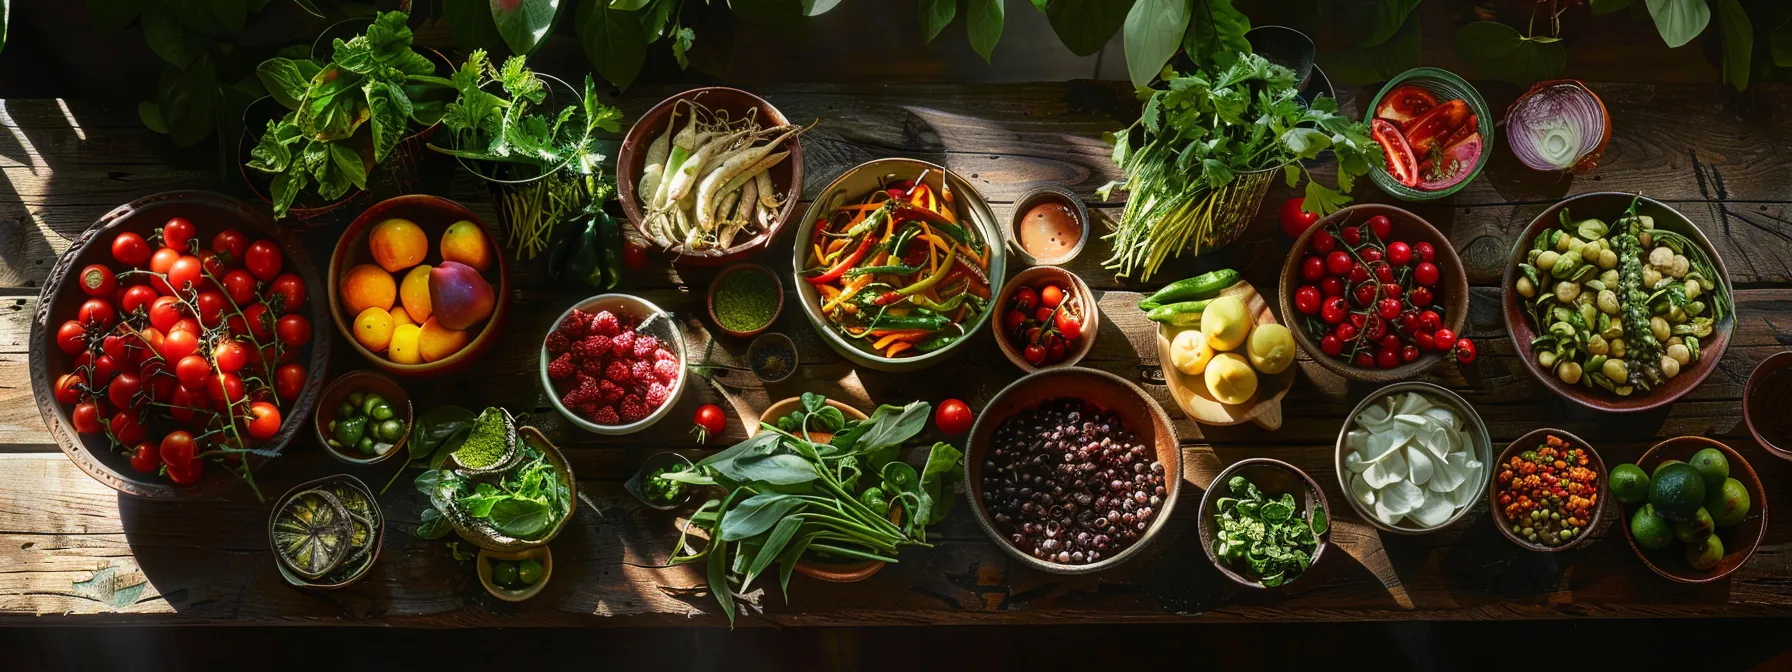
(61, 299)
(1452, 295)
(709, 300)
(433, 214)
(1740, 540)
(1766, 402)
(1037, 277)
(362, 381)
(1532, 441)
(1138, 412)
(787, 176)
(1273, 478)
(1609, 206)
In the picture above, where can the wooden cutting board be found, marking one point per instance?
(1190, 392)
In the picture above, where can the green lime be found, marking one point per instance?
(1651, 531)
(1629, 484)
(1677, 490)
(1659, 467)
(1727, 503)
(504, 574)
(1711, 464)
(528, 571)
(1706, 554)
(1694, 530)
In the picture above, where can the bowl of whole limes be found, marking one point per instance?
(418, 286)
(1694, 508)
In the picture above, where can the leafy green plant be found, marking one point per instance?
(1155, 29)
(1270, 536)
(367, 84)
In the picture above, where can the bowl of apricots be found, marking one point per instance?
(418, 286)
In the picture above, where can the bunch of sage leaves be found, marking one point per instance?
(816, 483)
(1266, 535)
(374, 81)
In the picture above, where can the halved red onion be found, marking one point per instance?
(1558, 125)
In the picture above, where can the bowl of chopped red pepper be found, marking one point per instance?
(1548, 491)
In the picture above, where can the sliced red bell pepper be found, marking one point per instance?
(1402, 165)
(1431, 129)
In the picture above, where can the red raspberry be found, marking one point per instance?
(591, 347)
(623, 344)
(617, 372)
(632, 409)
(664, 354)
(588, 409)
(562, 367)
(558, 343)
(584, 394)
(656, 395)
(645, 345)
(609, 392)
(575, 325)
(606, 415)
(667, 370)
(605, 322)
(594, 366)
(642, 371)
(580, 378)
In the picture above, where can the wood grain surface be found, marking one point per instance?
(75, 552)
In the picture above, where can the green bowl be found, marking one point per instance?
(1445, 85)
(861, 180)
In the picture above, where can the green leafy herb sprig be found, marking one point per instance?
(1205, 130)
(791, 492)
(1270, 536)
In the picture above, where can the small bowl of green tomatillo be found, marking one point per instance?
(363, 418)
(745, 300)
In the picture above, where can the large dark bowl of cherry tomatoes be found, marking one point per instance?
(173, 349)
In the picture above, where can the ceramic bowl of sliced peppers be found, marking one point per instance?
(897, 263)
(1548, 491)
(1046, 319)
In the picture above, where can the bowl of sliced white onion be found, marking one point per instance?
(1412, 458)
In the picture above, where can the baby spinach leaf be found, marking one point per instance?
(521, 518)
(940, 470)
(434, 526)
(892, 425)
(287, 79)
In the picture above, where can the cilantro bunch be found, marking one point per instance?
(1205, 148)
(513, 130)
(1266, 535)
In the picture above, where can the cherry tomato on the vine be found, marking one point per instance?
(145, 458)
(126, 427)
(178, 448)
(192, 370)
(68, 387)
(130, 249)
(138, 296)
(263, 259)
(98, 281)
(291, 290)
(289, 380)
(122, 391)
(264, 420)
(178, 345)
(85, 418)
(211, 307)
(97, 312)
(294, 330)
(71, 337)
(230, 355)
(1306, 299)
(176, 232)
(239, 286)
(231, 243)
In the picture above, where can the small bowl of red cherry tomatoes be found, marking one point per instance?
(1046, 318)
(1375, 293)
(173, 345)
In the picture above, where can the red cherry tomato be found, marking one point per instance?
(1409, 354)
(1295, 218)
(1465, 351)
(1430, 320)
(294, 330)
(138, 296)
(255, 319)
(1331, 286)
(1312, 268)
(1363, 295)
(68, 387)
(224, 387)
(103, 369)
(187, 474)
(1370, 255)
(1359, 274)
(1443, 337)
(1375, 328)
(1054, 349)
(1337, 263)
(1051, 296)
(240, 286)
(1331, 345)
(1025, 298)
(1420, 296)
(1043, 314)
(125, 428)
(1425, 251)
(1390, 342)
(953, 417)
(1380, 225)
(1323, 242)
(130, 249)
(231, 356)
(184, 401)
(1426, 274)
(71, 337)
(709, 422)
(1346, 332)
(1409, 321)
(164, 313)
(1352, 235)
(85, 418)
(1334, 310)
(1306, 299)
(263, 259)
(1425, 341)
(264, 420)
(1069, 325)
(97, 280)
(123, 389)
(212, 263)
(160, 263)
(1399, 253)
(1384, 273)
(145, 458)
(97, 312)
(116, 347)
(1387, 359)
(178, 345)
(291, 290)
(1034, 354)
(230, 243)
(289, 381)
(176, 232)
(1364, 360)
(192, 370)
(1392, 291)
(186, 324)
(178, 448)
(211, 307)
(1012, 320)
(185, 273)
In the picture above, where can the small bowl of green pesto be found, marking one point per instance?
(745, 299)
(652, 488)
(363, 417)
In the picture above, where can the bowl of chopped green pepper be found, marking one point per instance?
(651, 487)
(745, 300)
(1264, 522)
(363, 417)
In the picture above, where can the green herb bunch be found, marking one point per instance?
(1201, 154)
(346, 114)
(1266, 535)
(789, 492)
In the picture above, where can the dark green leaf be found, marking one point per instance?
(1085, 26)
(788, 559)
(628, 5)
(287, 80)
(521, 518)
(188, 100)
(434, 526)
(1608, 6)
(163, 31)
(681, 46)
(757, 514)
(1679, 21)
(391, 112)
(1154, 29)
(1781, 42)
(1499, 52)
(1215, 32)
(151, 115)
(780, 469)
(1390, 15)
(230, 13)
(1364, 65)
(614, 42)
(523, 23)
(1739, 42)
(935, 15)
(940, 471)
(348, 161)
(718, 577)
(891, 425)
(775, 542)
(110, 16)
(470, 23)
(983, 20)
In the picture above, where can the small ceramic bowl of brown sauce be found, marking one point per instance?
(1051, 225)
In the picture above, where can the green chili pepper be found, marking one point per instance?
(944, 307)
(1204, 286)
(350, 430)
(1180, 314)
(921, 286)
(896, 269)
(933, 343)
(924, 322)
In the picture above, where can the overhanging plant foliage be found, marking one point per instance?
(1155, 29)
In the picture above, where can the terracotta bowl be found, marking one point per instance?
(1608, 206)
(1036, 277)
(1740, 540)
(1532, 441)
(833, 572)
(1453, 289)
(1471, 421)
(433, 214)
(787, 176)
(1046, 195)
(362, 381)
(709, 300)
(61, 299)
(1137, 410)
(485, 536)
(1272, 478)
(664, 329)
(1765, 400)
(541, 554)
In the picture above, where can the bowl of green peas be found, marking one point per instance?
(515, 576)
(363, 418)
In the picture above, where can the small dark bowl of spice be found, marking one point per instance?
(746, 299)
(773, 357)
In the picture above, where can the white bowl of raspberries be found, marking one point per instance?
(611, 367)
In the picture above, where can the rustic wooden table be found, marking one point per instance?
(74, 552)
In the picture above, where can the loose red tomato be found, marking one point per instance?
(264, 420)
(224, 388)
(263, 259)
(126, 428)
(68, 387)
(1333, 310)
(178, 345)
(1295, 218)
(192, 371)
(185, 273)
(211, 307)
(1051, 296)
(187, 474)
(97, 312)
(294, 330)
(1404, 104)
(291, 291)
(232, 244)
(953, 417)
(138, 296)
(176, 232)
(289, 381)
(1069, 325)
(178, 448)
(1402, 164)
(122, 391)
(130, 249)
(145, 458)
(1465, 351)
(97, 280)
(231, 356)
(85, 418)
(71, 337)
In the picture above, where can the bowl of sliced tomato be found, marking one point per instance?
(1434, 130)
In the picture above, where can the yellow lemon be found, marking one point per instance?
(403, 348)
(1271, 348)
(1230, 378)
(1226, 322)
(1190, 353)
